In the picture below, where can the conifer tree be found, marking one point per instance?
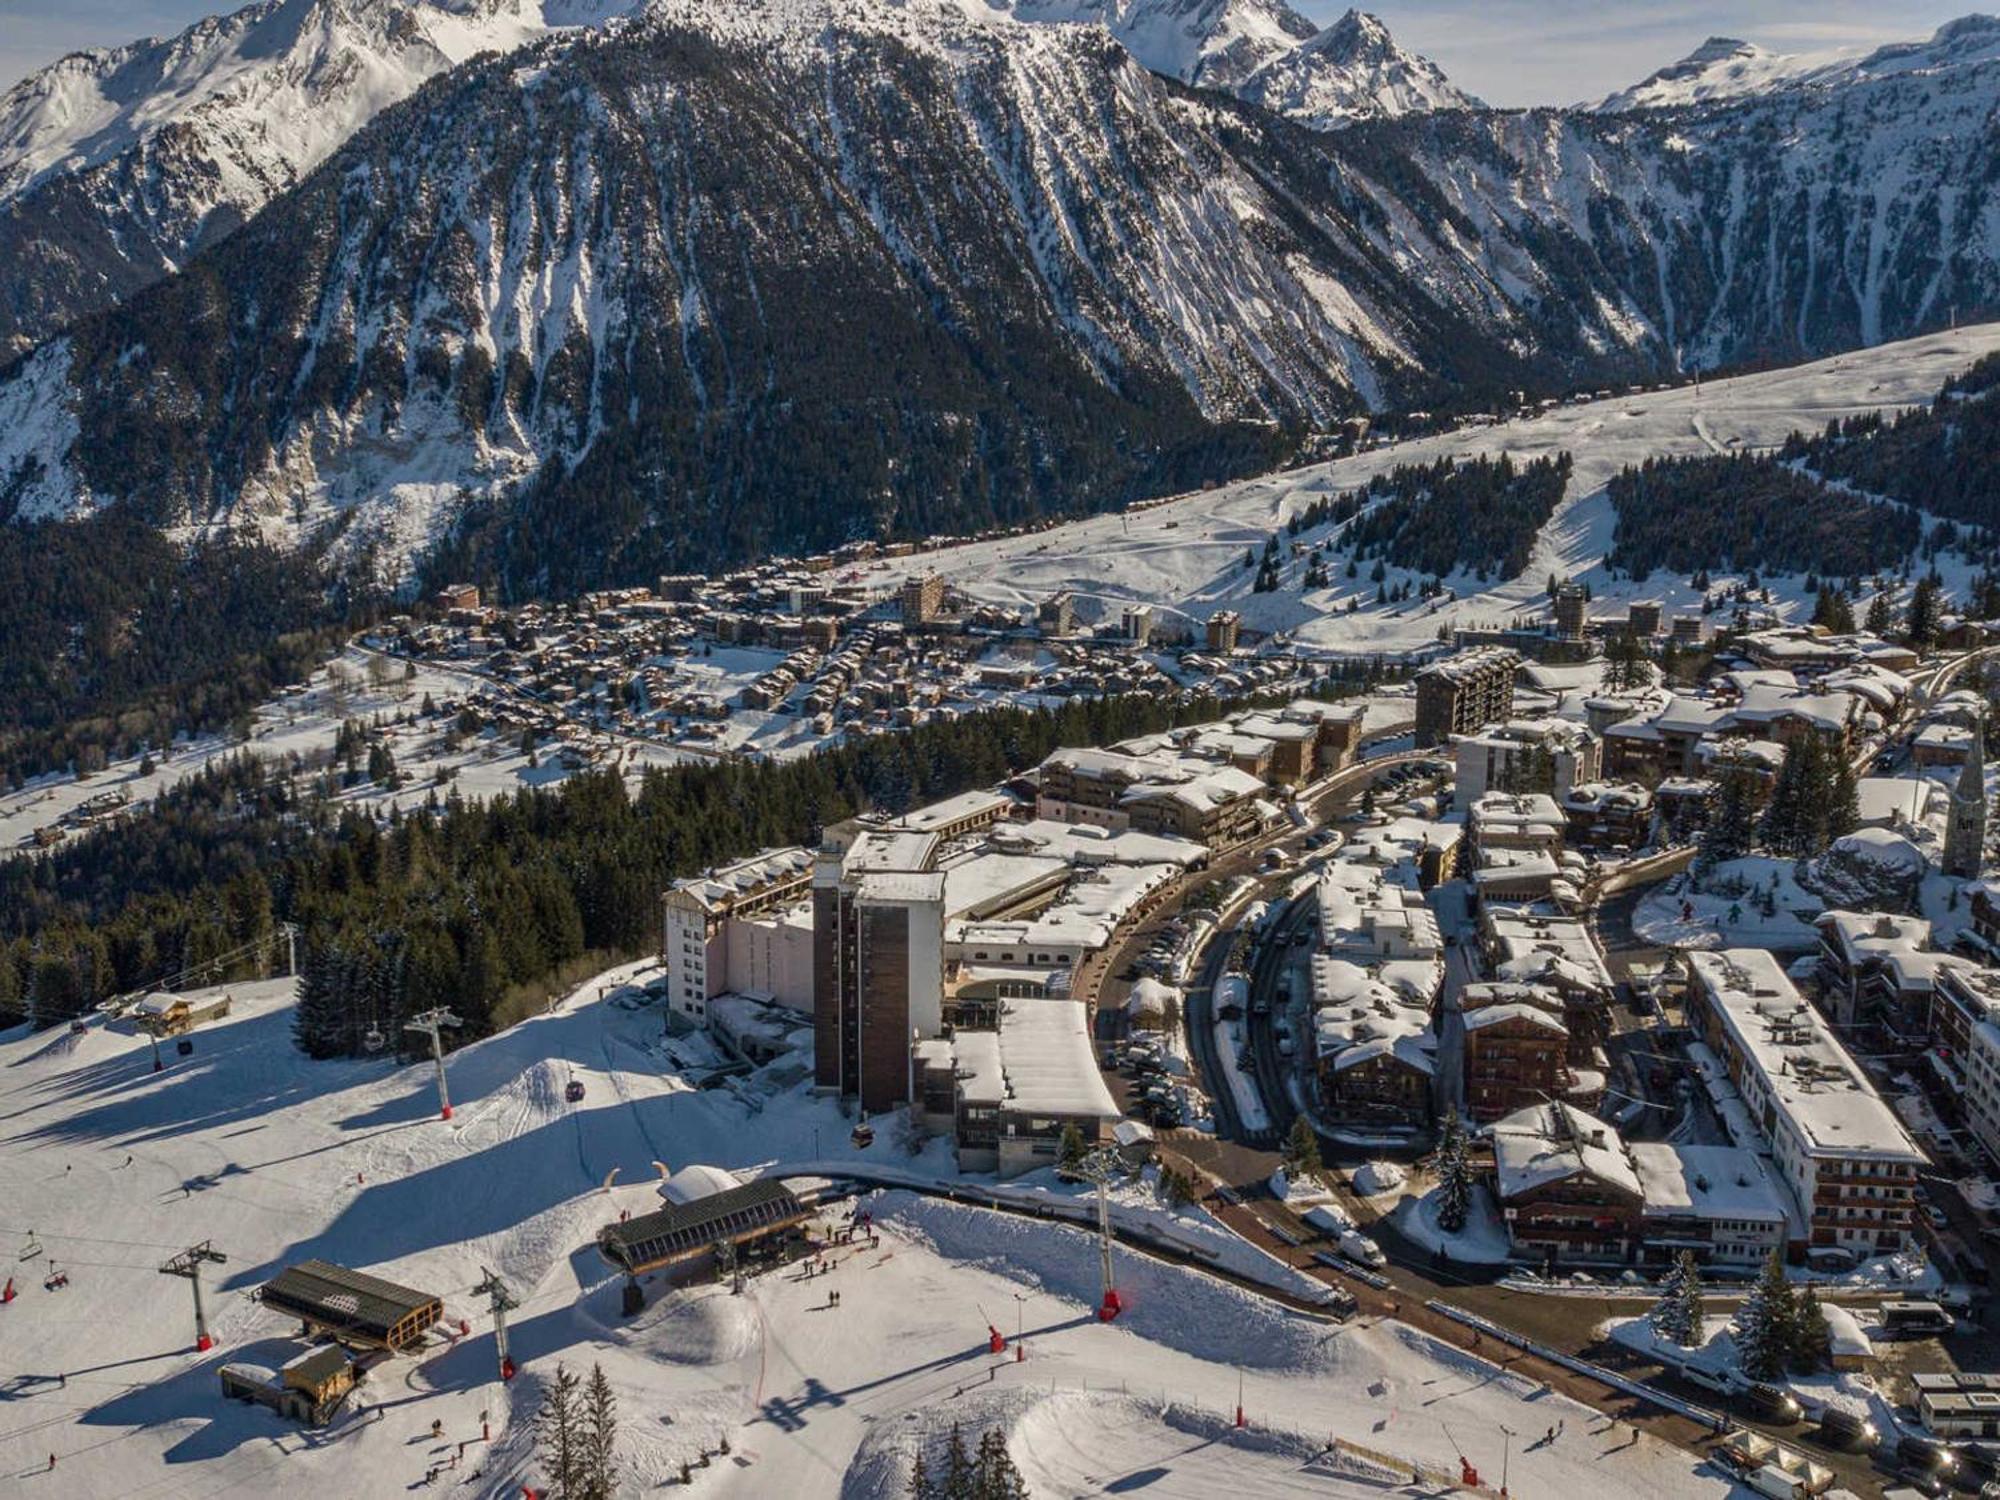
(560, 1436)
(1879, 617)
(960, 1479)
(1678, 1314)
(1454, 1177)
(1765, 1323)
(1071, 1150)
(1921, 624)
(598, 1479)
(998, 1477)
(1812, 1336)
(1301, 1154)
(921, 1485)
(1732, 826)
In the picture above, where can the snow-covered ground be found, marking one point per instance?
(305, 724)
(273, 1158)
(1187, 554)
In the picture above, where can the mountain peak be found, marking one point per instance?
(1352, 70)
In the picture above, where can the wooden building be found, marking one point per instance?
(358, 1309)
(682, 1237)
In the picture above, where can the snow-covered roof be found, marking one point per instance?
(1710, 1182)
(1496, 1015)
(698, 1180)
(725, 885)
(1794, 1061)
(1889, 800)
(1049, 1063)
(1548, 1143)
(976, 1055)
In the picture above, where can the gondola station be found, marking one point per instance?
(697, 1237)
(361, 1311)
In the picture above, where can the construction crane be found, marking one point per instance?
(187, 1265)
(1099, 1167)
(502, 1302)
(431, 1024)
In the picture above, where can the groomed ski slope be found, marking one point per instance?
(1187, 554)
(273, 1159)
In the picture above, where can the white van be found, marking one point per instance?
(1356, 1246)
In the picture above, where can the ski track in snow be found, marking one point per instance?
(1186, 554)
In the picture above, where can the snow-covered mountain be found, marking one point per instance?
(115, 163)
(1724, 68)
(1353, 70)
(749, 278)
(719, 280)
(1210, 43)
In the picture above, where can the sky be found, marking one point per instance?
(1508, 52)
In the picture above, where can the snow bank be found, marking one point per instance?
(1165, 1304)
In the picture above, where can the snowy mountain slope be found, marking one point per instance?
(1761, 229)
(1724, 68)
(664, 271)
(1211, 43)
(273, 1159)
(116, 162)
(1353, 70)
(1186, 556)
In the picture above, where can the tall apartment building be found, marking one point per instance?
(696, 914)
(922, 599)
(1966, 1026)
(1570, 608)
(1533, 755)
(878, 959)
(1838, 1147)
(1465, 692)
(1055, 616)
(1224, 626)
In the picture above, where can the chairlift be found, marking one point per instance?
(185, 1046)
(32, 1248)
(372, 1039)
(574, 1093)
(863, 1136)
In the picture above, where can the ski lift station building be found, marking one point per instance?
(357, 1309)
(681, 1237)
(165, 1014)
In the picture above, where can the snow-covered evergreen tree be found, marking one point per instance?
(598, 1477)
(560, 1435)
(1765, 1323)
(1454, 1172)
(1679, 1312)
(1812, 1337)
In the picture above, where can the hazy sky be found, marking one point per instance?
(1505, 51)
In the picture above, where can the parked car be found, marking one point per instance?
(1924, 1456)
(1847, 1431)
(1773, 1404)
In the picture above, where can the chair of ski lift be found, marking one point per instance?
(574, 1093)
(32, 1248)
(185, 1046)
(372, 1039)
(863, 1136)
